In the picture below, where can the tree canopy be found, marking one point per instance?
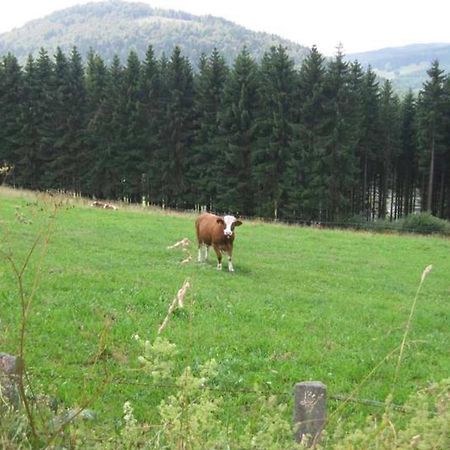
(323, 142)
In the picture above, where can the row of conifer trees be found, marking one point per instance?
(326, 141)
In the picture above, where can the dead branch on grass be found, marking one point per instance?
(178, 302)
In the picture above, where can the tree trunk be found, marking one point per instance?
(431, 177)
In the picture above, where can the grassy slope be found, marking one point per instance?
(303, 304)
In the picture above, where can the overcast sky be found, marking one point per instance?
(359, 25)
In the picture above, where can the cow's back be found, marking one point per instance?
(206, 226)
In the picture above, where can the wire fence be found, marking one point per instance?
(375, 225)
(359, 223)
(266, 390)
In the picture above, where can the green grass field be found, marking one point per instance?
(303, 304)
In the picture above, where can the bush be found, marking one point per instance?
(424, 223)
(424, 424)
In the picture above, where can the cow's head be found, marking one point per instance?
(229, 222)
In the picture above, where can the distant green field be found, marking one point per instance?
(303, 304)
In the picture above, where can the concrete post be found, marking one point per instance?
(309, 411)
(10, 368)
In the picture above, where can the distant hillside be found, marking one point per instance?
(405, 66)
(116, 27)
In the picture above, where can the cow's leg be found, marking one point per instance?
(230, 264)
(219, 257)
(206, 252)
(200, 246)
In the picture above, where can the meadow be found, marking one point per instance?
(303, 304)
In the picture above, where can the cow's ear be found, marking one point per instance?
(221, 221)
(237, 223)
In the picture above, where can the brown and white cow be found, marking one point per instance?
(217, 232)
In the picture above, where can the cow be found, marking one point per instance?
(217, 232)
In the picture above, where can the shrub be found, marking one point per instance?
(424, 424)
(424, 223)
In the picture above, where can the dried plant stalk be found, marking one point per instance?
(178, 302)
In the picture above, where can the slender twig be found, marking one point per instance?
(25, 305)
(352, 394)
(426, 271)
(178, 302)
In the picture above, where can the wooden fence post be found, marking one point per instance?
(10, 368)
(310, 410)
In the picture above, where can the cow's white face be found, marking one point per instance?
(230, 223)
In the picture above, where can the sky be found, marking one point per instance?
(359, 25)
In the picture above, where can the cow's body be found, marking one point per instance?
(217, 232)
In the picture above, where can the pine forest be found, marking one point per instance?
(325, 141)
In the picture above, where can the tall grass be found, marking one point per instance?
(303, 304)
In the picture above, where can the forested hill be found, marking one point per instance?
(116, 27)
(405, 66)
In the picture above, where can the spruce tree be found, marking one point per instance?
(105, 131)
(151, 117)
(444, 190)
(176, 130)
(307, 167)
(431, 129)
(11, 98)
(130, 159)
(341, 167)
(239, 135)
(43, 84)
(389, 149)
(407, 170)
(69, 114)
(206, 161)
(76, 126)
(367, 148)
(56, 136)
(356, 86)
(97, 81)
(27, 161)
(273, 151)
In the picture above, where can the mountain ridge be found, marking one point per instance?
(133, 26)
(405, 66)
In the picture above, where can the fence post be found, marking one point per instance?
(10, 368)
(310, 411)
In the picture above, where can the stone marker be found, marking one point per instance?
(309, 411)
(10, 368)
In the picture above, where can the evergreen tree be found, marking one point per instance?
(176, 131)
(407, 181)
(55, 136)
(130, 159)
(205, 160)
(69, 114)
(27, 161)
(105, 126)
(97, 81)
(275, 132)
(239, 135)
(369, 133)
(307, 167)
(444, 189)
(431, 126)
(11, 97)
(342, 137)
(390, 148)
(356, 86)
(43, 83)
(151, 118)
